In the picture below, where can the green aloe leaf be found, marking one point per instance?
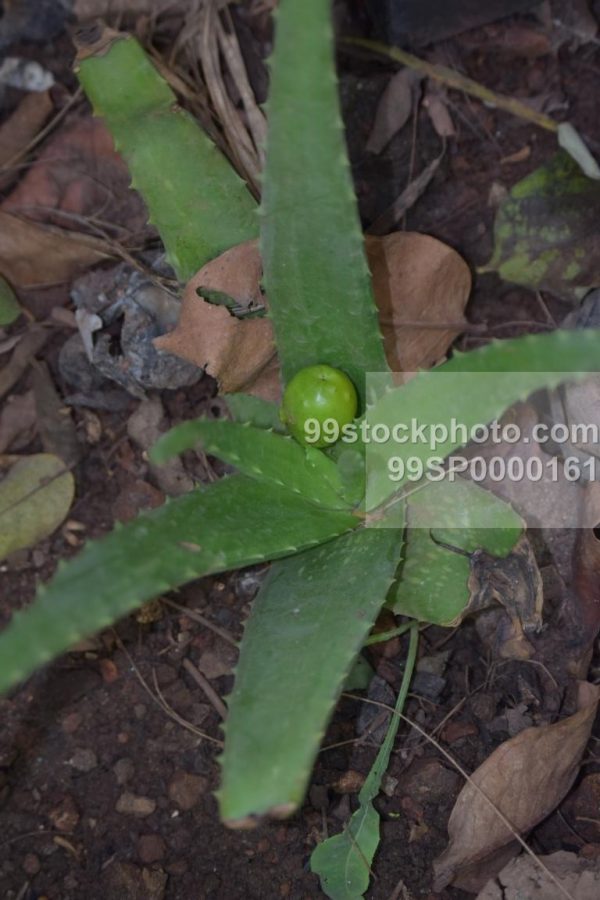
(233, 522)
(343, 862)
(250, 410)
(315, 271)
(433, 581)
(260, 454)
(546, 230)
(196, 200)
(509, 371)
(307, 625)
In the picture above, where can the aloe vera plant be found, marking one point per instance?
(303, 507)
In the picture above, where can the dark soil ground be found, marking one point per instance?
(104, 793)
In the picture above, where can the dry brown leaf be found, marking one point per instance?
(407, 198)
(393, 109)
(17, 132)
(79, 175)
(421, 288)
(523, 878)
(525, 778)
(17, 422)
(234, 351)
(417, 281)
(33, 255)
(437, 111)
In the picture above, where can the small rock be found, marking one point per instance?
(123, 769)
(350, 782)
(31, 864)
(65, 816)
(71, 723)
(140, 710)
(125, 881)
(213, 664)
(109, 671)
(151, 848)
(132, 805)
(186, 789)
(84, 760)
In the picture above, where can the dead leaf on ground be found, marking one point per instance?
(32, 341)
(20, 128)
(522, 878)
(79, 175)
(421, 288)
(54, 420)
(33, 255)
(407, 198)
(526, 777)
(17, 421)
(35, 497)
(419, 284)
(394, 108)
(232, 350)
(437, 110)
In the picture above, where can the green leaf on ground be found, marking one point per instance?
(343, 862)
(35, 497)
(9, 305)
(546, 231)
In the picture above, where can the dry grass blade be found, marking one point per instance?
(409, 196)
(240, 144)
(257, 123)
(206, 687)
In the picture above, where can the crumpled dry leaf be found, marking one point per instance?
(234, 351)
(17, 421)
(394, 108)
(35, 497)
(20, 128)
(33, 255)
(525, 778)
(79, 174)
(417, 279)
(437, 110)
(522, 878)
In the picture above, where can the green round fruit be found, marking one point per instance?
(317, 403)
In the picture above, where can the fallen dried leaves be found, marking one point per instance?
(234, 351)
(524, 778)
(421, 288)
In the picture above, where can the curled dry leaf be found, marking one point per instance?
(22, 126)
(421, 288)
(234, 351)
(523, 878)
(525, 778)
(34, 255)
(393, 109)
(79, 174)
